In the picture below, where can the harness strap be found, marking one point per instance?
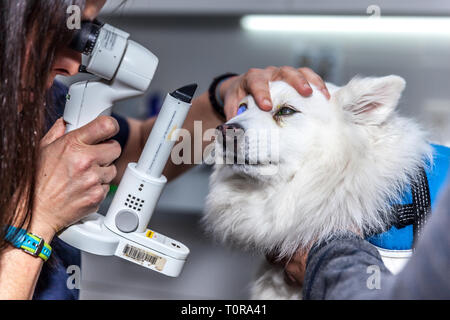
(405, 215)
(422, 203)
(418, 211)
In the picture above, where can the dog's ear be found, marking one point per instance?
(371, 100)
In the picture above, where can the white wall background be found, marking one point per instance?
(195, 48)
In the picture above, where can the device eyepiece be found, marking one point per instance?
(85, 39)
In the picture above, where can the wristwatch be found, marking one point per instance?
(214, 97)
(28, 242)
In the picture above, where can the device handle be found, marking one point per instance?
(86, 101)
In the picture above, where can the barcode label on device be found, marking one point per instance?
(139, 254)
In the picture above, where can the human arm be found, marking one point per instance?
(340, 269)
(19, 271)
(73, 176)
(345, 267)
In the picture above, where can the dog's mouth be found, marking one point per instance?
(249, 151)
(239, 152)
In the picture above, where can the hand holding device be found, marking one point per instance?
(126, 69)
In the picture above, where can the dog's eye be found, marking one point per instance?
(242, 108)
(285, 111)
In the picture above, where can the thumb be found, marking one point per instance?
(230, 107)
(55, 132)
(231, 102)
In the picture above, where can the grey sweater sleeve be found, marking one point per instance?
(348, 267)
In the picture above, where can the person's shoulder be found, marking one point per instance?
(55, 109)
(59, 92)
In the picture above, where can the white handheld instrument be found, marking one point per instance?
(126, 70)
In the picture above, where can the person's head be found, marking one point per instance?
(34, 40)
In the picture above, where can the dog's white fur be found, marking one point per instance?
(341, 163)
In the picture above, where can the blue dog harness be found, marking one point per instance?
(417, 204)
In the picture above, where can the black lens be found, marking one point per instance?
(84, 39)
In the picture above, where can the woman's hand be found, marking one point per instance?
(294, 268)
(74, 172)
(256, 83)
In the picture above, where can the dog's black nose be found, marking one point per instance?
(230, 135)
(232, 129)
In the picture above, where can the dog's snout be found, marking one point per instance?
(231, 135)
(232, 128)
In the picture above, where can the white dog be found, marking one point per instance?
(333, 165)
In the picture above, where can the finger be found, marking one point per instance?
(106, 189)
(105, 153)
(316, 80)
(290, 280)
(106, 174)
(258, 87)
(296, 79)
(94, 196)
(55, 132)
(294, 273)
(100, 129)
(232, 100)
(230, 108)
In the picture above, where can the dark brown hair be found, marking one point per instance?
(31, 32)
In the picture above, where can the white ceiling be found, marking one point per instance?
(231, 7)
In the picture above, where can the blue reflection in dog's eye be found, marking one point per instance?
(242, 108)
